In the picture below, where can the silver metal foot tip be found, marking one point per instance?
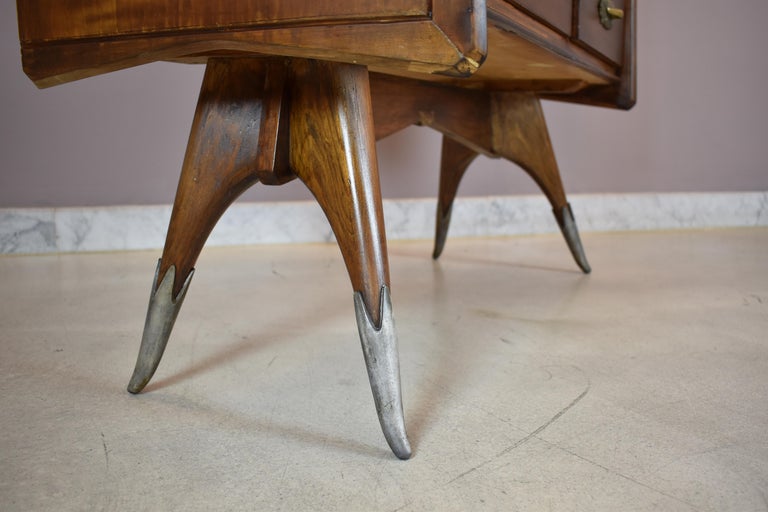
(401, 449)
(441, 231)
(161, 314)
(381, 361)
(571, 234)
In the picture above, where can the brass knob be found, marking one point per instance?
(608, 13)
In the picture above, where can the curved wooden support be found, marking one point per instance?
(333, 152)
(461, 114)
(505, 124)
(454, 161)
(232, 145)
(520, 135)
(263, 120)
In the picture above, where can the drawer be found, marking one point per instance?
(557, 13)
(591, 32)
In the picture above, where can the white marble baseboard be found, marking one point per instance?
(39, 230)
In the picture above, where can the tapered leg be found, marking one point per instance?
(333, 152)
(509, 125)
(454, 161)
(231, 145)
(520, 135)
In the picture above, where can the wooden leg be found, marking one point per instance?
(519, 133)
(509, 125)
(454, 161)
(271, 121)
(232, 144)
(333, 152)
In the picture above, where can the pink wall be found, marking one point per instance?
(701, 124)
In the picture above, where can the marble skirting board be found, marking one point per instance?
(46, 230)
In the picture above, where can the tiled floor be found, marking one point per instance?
(527, 385)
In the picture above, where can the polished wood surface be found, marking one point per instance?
(223, 156)
(65, 41)
(497, 124)
(41, 20)
(460, 113)
(333, 151)
(520, 135)
(270, 121)
(491, 44)
(508, 125)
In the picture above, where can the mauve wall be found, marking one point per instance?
(701, 124)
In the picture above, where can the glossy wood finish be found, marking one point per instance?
(272, 120)
(461, 113)
(509, 125)
(65, 41)
(41, 20)
(477, 44)
(497, 124)
(520, 135)
(232, 143)
(333, 151)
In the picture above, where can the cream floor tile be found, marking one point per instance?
(527, 385)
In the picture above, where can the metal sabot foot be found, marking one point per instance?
(571, 233)
(161, 314)
(381, 360)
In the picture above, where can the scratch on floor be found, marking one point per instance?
(535, 433)
(106, 450)
(621, 475)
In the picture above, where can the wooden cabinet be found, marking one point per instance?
(544, 46)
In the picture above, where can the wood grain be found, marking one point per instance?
(474, 44)
(225, 155)
(50, 20)
(333, 151)
(460, 113)
(520, 135)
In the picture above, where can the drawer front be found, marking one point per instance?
(591, 32)
(557, 13)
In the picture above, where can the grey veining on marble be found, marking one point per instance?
(113, 228)
(32, 231)
(27, 231)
